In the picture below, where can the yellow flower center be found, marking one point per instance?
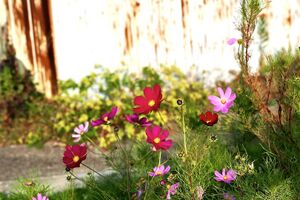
(168, 186)
(105, 119)
(156, 140)
(223, 101)
(225, 177)
(151, 103)
(75, 159)
(158, 173)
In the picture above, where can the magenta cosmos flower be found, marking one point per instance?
(104, 119)
(134, 119)
(74, 155)
(172, 190)
(160, 171)
(224, 102)
(158, 138)
(149, 102)
(81, 129)
(226, 177)
(40, 197)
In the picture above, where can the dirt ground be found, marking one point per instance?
(21, 161)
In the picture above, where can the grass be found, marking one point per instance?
(266, 181)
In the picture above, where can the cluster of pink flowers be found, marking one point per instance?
(156, 136)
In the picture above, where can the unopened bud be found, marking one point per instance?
(179, 102)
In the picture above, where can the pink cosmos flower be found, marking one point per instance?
(40, 197)
(224, 102)
(80, 130)
(231, 41)
(172, 190)
(160, 171)
(200, 192)
(105, 117)
(226, 177)
(139, 194)
(228, 196)
(134, 119)
(158, 138)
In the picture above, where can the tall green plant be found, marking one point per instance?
(272, 93)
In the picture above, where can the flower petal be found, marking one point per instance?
(218, 107)
(214, 100)
(232, 97)
(156, 132)
(164, 134)
(113, 112)
(165, 145)
(167, 170)
(149, 134)
(217, 174)
(231, 41)
(228, 92)
(140, 100)
(86, 126)
(221, 92)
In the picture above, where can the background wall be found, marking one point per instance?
(152, 32)
(66, 38)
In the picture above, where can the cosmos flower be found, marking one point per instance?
(228, 196)
(160, 171)
(224, 102)
(139, 194)
(158, 138)
(40, 197)
(226, 177)
(209, 118)
(200, 192)
(74, 155)
(105, 118)
(80, 130)
(163, 182)
(134, 119)
(172, 190)
(149, 102)
(231, 41)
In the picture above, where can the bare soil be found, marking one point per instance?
(21, 161)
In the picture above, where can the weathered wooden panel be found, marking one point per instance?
(29, 30)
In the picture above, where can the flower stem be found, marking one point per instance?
(76, 177)
(93, 170)
(162, 119)
(183, 130)
(159, 157)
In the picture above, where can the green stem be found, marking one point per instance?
(183, 130)
(159, 157)
(93, 170)
(128, 178)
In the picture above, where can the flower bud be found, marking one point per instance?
(179, 102)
